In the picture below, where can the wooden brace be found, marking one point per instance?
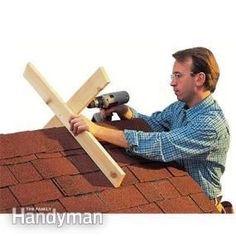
(63, 112)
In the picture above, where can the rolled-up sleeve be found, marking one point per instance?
(188, 141)
(145, 144)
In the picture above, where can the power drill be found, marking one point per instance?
(107, 101)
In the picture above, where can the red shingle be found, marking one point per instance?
(35, 192)
(86, 203)
(52, 167)
(185, 185)
(72, 152)
(70, 185)
(25, 172)
(17, 160)
(150, 208)
(179, 205)
(7, 200)
(166, 189)
(149, 191)
(49, 155)
(121, 157)
(132, 210)
(203, 202)
(129, 177)
(149, 171)
(83, 163)
(123, 197)
(81, 184)
(6, 178)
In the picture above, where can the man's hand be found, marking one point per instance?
(121, 110)
(79, 124)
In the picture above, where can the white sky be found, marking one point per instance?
(67, 40)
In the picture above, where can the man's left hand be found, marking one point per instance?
(79, 124)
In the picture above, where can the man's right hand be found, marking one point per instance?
(123, 111)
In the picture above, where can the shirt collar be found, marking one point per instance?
(193, 111)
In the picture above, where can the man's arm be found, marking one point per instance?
(195, 139)
(116, 137)
(113, 136)
(158, 121)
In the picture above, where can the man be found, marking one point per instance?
(192, 131)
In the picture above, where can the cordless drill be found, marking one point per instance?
(107, 101)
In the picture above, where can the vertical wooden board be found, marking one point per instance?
(84, 95)
(89, 143)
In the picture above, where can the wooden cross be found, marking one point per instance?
(63, 111)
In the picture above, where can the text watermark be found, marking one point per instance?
(54, 218)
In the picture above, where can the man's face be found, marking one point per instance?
(182, 81)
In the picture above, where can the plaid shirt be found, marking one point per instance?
(197, 138)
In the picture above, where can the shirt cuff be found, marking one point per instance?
(147, 145)
(132, 139)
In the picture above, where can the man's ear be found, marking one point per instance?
(200, 80)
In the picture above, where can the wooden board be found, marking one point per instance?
(84, 95)
(89, 143)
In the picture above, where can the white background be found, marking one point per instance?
(67, 40)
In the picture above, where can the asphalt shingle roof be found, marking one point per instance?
(47, 169)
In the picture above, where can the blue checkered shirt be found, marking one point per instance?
(197, 138)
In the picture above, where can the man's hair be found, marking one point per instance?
(204, 61)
